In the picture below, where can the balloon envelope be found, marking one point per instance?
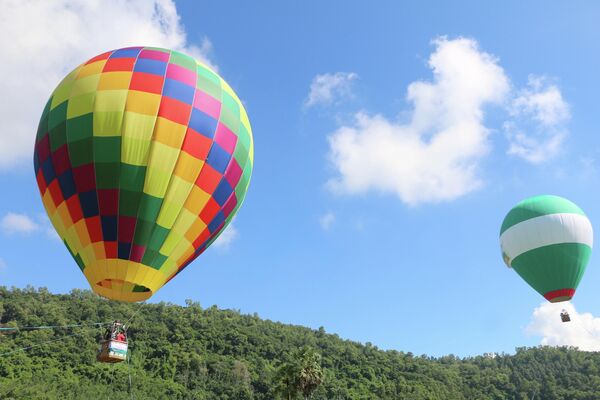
(142, 157)
(547, 240)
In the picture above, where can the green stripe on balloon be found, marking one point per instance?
(536, 207)
(554, 267)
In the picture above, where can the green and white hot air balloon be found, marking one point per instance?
(548, 241)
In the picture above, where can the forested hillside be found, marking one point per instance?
(194, 353)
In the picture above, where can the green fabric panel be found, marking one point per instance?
(58, 134)
(244, 137)
(107, 175)
(79, 262)
(536, 207)
(149, 256)
(80, 152)
(230, 119)
(79, 128)
(231, 104)
(107, 149)
(158, 261)
(132, 177)
(208, 75)
(159, 234)
(57, 115)
(143, 231)
(554, 267)
(128, 202)
(43, 124)
(149, 207)
(240, 153)
(140, 289)
(183, 60)
(209, 86)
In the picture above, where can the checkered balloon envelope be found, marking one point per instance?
(143, 155)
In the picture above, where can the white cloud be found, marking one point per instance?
(44, 40)
(226, 237)
(330, 88)
(2, 264)
(18, 223)
(326, 220)
(434, 156)
(583, 331)
(539, 114)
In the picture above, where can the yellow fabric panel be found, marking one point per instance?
(114, 80)
(134, 151)
(169, 133)
(160, 167)
(188, 167)
(170, 243)
(121, 269)
(187, 253)
(142, 102)
(178, 190)
(184, 247)
(64, 214)
(245, 121)
(79, 105)
(85, 85)
(168, 268)
(136, 138)
(63, 91)
(196, 200)
(107, 123)
(156, 182)
(184, 221)
(99, 250)
(168, 213)
(58, 224)
(91, 69)
(73, 238)
(82, 232)
(197, 226)
(138, 126)
(87, 254)
(48, 203)
(110, 100)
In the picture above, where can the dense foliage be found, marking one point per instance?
(194, 353)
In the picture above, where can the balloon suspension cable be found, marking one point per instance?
(126, 324)
(40, 344)
(34, 328)
(586, 329)
(110, 381)
(129, 373)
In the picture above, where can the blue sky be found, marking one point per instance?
(374, 209)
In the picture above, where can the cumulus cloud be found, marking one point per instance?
(19, 223)
(226, 237)
(583, 331)
(326, 220)
(330, 88)
(434, 156)
(539, 115)
(44, 40)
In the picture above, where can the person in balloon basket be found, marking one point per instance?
(116, 332)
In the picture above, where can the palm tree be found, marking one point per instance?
(302, 374)
(310, 374)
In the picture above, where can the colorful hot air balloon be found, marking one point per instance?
(548, 241)
(143, 155)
